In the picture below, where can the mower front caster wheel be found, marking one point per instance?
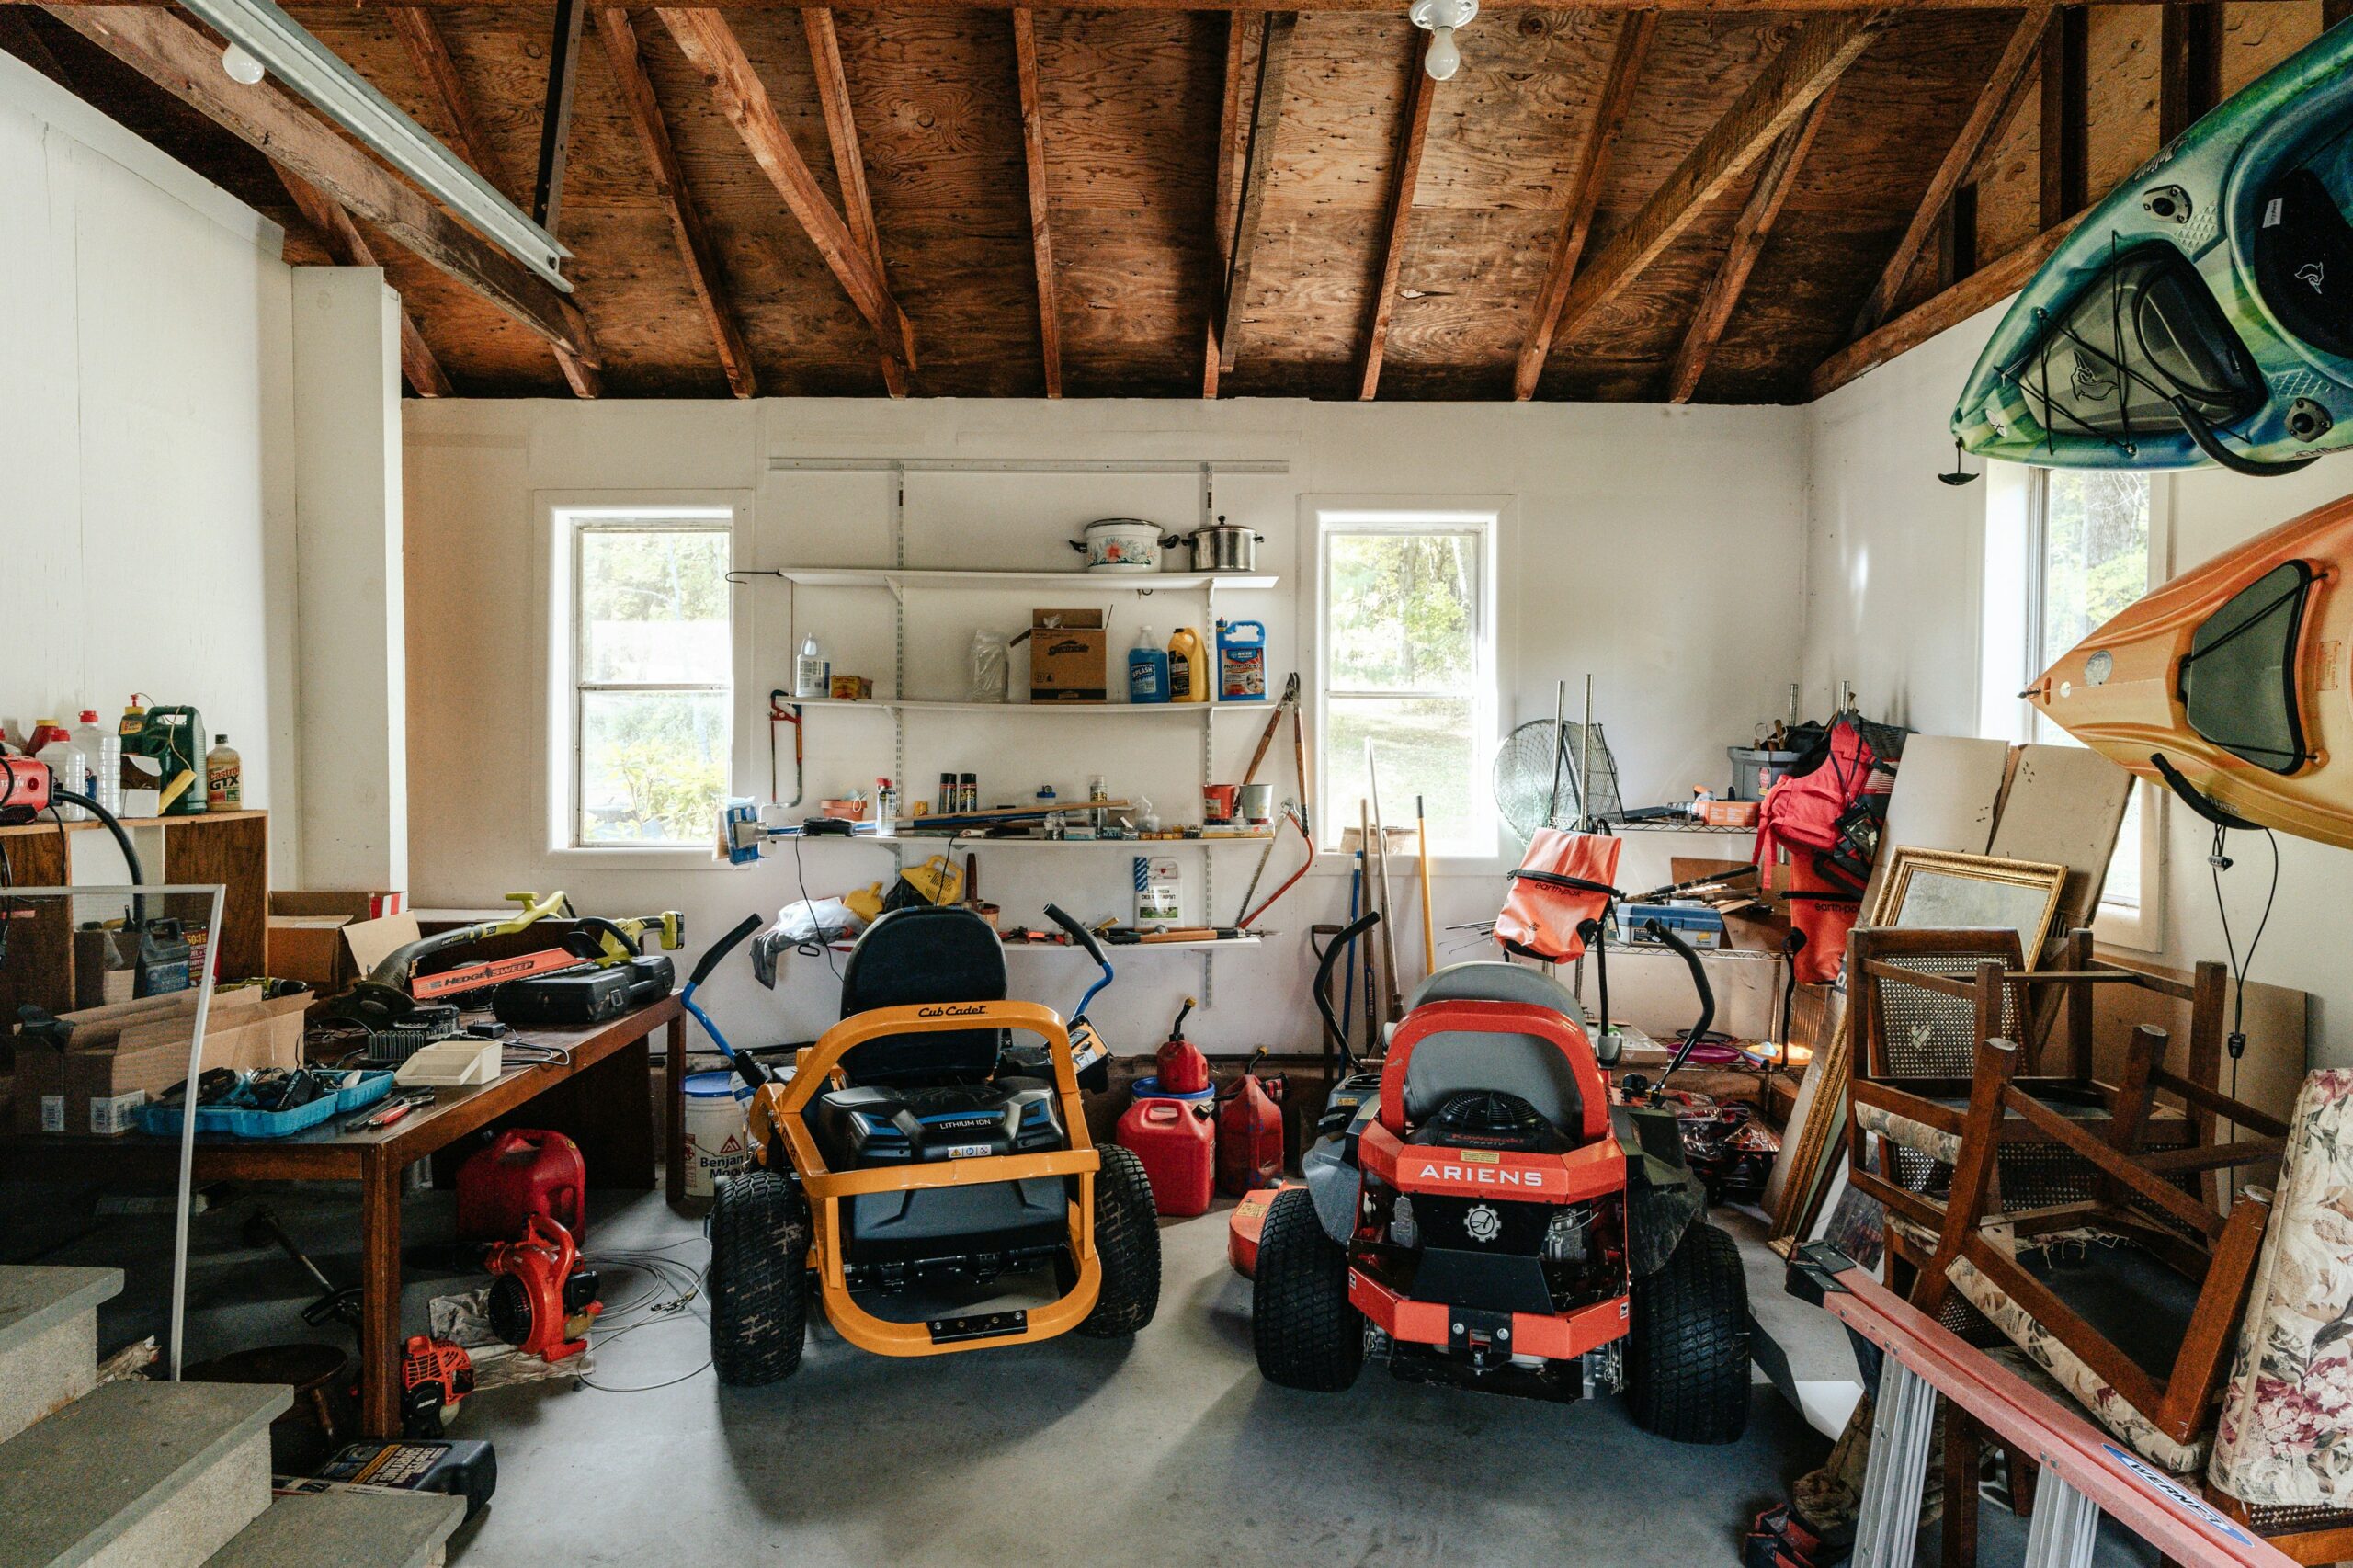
(1306, 1333)
(1686, 1359)
(759, 1278)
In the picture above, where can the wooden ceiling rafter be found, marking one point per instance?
(185, 65)
(1041, 231)
(420, 36)
(1592, 171)
(1257, 170)
(1411, 139)
(2189, 65)
(849, 163)
(709, 45)
(346, 246)
(696, 250)
(1782, 94)
(1992, 112)
(1738, 10)
(1775, 179)
(555, 114)
(1242, 35)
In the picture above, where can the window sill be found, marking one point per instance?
(663, 857)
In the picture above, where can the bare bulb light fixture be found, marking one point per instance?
(1439, 19)
(242, 67)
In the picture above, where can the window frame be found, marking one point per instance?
(1488, 518)
(2137, 927)
(564, 517)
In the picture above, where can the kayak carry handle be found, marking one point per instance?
(2205, 806)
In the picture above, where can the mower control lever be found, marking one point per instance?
(1333, 951)
(1657, 931)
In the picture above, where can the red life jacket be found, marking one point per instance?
(1540, 918)
(1808, 814)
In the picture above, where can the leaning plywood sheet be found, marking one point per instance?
(2064, 805)
(1946, 790)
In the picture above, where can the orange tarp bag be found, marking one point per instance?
(1565, 880)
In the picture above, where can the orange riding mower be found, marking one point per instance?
(915, 1153)
(1482, 1210)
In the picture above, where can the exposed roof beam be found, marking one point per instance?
(420, 34)
(555, 114)
(1242, 33)
(18, 37)
(849, 160)
(185, 63)
(1041, 234)
(695, 249)
(1741, 8)
(1802, 73)
(709, 45)
(1257, 168)
(2066, 96)
(349, 248)
(1410, 141)
(1634, 35)
(1986, 119)
(2190, 66)
(1774, 182)
(1982, 289)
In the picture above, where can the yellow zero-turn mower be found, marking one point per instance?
(917, 1144)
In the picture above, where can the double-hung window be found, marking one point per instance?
(1407, 671)
(653, 672)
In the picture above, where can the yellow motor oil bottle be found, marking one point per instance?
(1188, 674)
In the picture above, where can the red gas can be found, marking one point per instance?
(1249, 1138)
(517, 1175)
(1183, 1068)
(1177, 1143)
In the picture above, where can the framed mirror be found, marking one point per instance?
(1940, 891)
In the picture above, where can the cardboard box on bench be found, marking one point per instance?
(140, 1047)
(307, 930)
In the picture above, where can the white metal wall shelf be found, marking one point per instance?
(1089, 709)
(899, 579)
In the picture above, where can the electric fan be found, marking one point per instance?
(1538, 780)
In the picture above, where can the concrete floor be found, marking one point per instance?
(1167, 1450)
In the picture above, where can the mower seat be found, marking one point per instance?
(1527, 1066)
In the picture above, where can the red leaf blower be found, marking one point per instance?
(542, 1297)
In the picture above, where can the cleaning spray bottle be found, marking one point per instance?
(1147, 670)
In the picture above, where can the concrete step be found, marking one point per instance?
(350, 1529)
(48, 1339)
(138, 1474)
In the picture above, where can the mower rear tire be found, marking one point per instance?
(1306, 1333)
(759, 1278)
(1686, 1357)
(1127, 1247)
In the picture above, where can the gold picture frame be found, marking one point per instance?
(1922, 889)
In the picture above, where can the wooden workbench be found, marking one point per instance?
(607, 1081)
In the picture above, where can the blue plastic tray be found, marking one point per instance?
(164, 1121)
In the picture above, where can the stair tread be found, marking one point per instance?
(36, 1298)
(352, 1529)
(76, 1479)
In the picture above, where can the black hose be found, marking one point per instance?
(2211, 443)
(113, 825)
(1332, 951)
(1658, 932)
(2195, 798)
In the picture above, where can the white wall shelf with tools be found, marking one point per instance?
(1070, 709)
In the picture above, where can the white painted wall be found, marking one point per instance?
(1659, 548)
(144, 424)
(1897, 576)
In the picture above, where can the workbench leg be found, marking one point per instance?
(2065, 1528)
(1904, 1418)
(380, 1298)
(674, 1113)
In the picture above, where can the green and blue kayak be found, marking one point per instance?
(2204, 313)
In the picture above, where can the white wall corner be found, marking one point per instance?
(351, 636)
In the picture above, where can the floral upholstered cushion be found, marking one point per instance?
(2088, 1389)
(2286, 1430)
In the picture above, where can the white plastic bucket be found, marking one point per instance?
(717, 1129)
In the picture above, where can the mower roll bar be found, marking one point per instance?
(1339, 944)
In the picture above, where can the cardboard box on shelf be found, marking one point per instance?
(1068, 656)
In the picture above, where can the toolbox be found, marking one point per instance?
(584, 997)
(1697, 924)
(464, 1468)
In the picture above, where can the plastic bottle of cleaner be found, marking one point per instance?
(1189, 676)
(102, 752)
(50, 745)
(812, 676)
(1147, 670)
(1240, 660)
(225, 779)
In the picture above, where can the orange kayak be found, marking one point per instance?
(2231, 681)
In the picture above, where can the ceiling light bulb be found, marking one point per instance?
(242, 67)
(1443, 58)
